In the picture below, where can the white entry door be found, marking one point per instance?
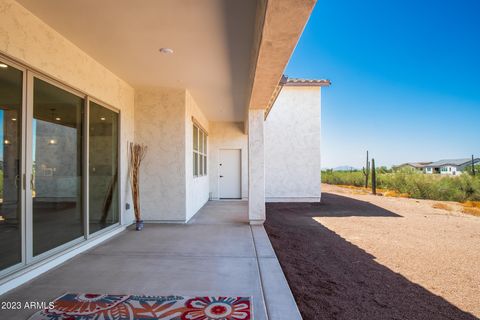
(230, 174)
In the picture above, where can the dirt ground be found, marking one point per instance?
(358, 256)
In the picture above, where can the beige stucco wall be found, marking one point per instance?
(163, 121)
(292, 146)
(197, 188)
(227, 135)
(29, 40)
(256, 166)
(159, 123)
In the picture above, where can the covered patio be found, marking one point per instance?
(217, 253)
(191, 80)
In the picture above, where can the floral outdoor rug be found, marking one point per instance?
(72, 306)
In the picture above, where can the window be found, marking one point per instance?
(199, 151)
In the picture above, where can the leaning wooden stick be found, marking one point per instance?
(136, 155)
(107, 202)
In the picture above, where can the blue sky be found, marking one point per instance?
(405, 79)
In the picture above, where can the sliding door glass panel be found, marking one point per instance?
(103, 167)
(57, 166)
(11, 81)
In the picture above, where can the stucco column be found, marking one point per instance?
(256, 166)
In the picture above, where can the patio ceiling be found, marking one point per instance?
(212, 42)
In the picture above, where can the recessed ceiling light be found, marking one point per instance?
(102, 118)
(14, 119)
(3, 65)
(58, 118)
(6, 141)
(52, 141)
(166, 50)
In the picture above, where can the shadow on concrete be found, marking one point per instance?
(333, 279)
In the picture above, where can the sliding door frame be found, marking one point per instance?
(26, 161)
(21, 174)
(31, 75)
(87, 168)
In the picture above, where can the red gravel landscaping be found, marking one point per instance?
(333, 279)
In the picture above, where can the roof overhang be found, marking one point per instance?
(293, 82)
(212, 42)
(230, 54)
(278, 32)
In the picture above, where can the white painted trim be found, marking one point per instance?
(292, 199)
(35, 270)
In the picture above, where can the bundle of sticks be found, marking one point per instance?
(136, 155)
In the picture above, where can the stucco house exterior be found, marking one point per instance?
(445, 167)
(415, 166)
(215, 159)
(200, 83)
(449, 166)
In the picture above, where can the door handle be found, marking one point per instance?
(221, 176)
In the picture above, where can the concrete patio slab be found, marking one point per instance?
(217, 253)
(184, 240)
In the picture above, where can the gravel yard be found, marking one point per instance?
(359, 256)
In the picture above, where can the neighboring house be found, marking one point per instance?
(81, 79)
(416, 166)
(450, 166)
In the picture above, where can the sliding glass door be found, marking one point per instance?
(56, 178)
(103, 167)
(59, 164)
(11, 105)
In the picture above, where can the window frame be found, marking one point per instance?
(200, 152)
(86, 167)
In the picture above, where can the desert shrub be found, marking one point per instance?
(417, 185)
(348, 178)
(469, 169)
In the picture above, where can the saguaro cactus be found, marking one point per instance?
(374, 178)
(366, 171)
(473, 165)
